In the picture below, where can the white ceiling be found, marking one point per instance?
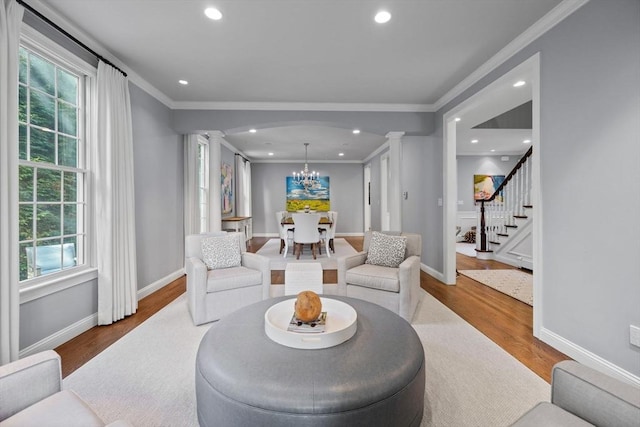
(310, 52)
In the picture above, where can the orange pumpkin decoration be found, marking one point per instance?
(308, 306)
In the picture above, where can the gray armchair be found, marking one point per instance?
(31, 395)
(581, 396)
(213, 293)
(397, 289)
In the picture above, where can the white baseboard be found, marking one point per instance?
(432, 272)
(586, 357)
(62, 336)
(160, 283)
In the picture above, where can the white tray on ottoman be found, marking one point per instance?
(340, 325)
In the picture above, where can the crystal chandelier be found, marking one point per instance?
(304, 178)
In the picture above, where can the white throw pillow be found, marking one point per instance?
(386, 250)
(221, 251)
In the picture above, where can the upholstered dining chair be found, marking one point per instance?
(328, 234)
(285, 231)
(306, 232)
(222, 276)
(386, 272)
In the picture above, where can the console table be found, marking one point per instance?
(239, 223)
(375, 378)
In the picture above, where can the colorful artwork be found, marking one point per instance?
(485, 185)
(316, 198)
(226, 189)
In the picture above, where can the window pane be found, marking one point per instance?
(22, 142)
(22, 104)
(43, 146)
(67, 87)
(26, 249)
(49, 255)
(42, 74)
(22, 72)
(49, 182)
(70, 187)
(67, 151)
(25, 184)
(43, 110)
(25, 219)
(48, 221)
(70, 218)
(67, 119)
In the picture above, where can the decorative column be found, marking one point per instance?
(394, 190)
(215, 203)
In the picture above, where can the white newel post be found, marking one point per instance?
(215, 214)
(395, 185)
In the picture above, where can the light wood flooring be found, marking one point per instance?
(505, 320)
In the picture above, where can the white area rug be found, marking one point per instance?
(272, 247)
(515, 283)
(468, 249)
(147, 377)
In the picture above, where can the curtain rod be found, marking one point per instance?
(66, 34)
(245, 159)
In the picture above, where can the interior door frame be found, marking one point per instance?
(367, 197)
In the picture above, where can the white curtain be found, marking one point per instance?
(115, 202)
(191, 188)
(243, 186)
(10, 22)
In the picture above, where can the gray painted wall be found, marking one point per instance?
(475, 165)
(589, 155)
(268, 191)
(159, 176)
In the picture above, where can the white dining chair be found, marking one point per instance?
(328, 234)
(306, 232)
(286, 233)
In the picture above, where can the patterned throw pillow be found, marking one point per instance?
(221, 251)
(386, 250)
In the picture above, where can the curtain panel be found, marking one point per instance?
(243, 186)
(115, 202)
(10, 22)
(191, 187)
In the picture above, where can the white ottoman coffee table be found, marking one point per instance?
(302, 276)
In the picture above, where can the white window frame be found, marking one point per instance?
(41, 286)
(203, 183)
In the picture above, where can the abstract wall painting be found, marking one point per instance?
(485, 185)
(226, 188)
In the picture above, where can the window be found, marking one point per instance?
(52, 166)
(203, 183)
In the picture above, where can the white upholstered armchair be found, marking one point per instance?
(31, 394)
(390, 278)
(222, 276)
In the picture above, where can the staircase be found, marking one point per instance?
(505, 222)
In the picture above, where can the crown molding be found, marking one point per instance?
(544, 24)
(359, 162)
(304, 106)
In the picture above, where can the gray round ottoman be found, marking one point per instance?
(376, 378)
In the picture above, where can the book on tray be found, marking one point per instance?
(313, 327)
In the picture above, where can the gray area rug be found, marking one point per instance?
(515, 283)
(147, 377)
(271, 250)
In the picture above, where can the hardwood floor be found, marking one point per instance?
(504, 320)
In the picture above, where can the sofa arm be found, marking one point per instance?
(196, 288)
(262, 264)
(345, 263)
(28, 381)
(593, 396)
(409, 278)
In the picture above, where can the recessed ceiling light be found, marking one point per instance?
(519, 83)
(356, 131)
(457, 119)
(493, 151)
(526, 141)
(271, 154)
(340, 154)
(382, 17)
(474, 141)
(213, 13)
(252, 130)
(183, 82)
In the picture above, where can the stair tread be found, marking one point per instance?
(528, 206)
(521, 216)
(511, 226)
(493, 242)
(502, 234)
